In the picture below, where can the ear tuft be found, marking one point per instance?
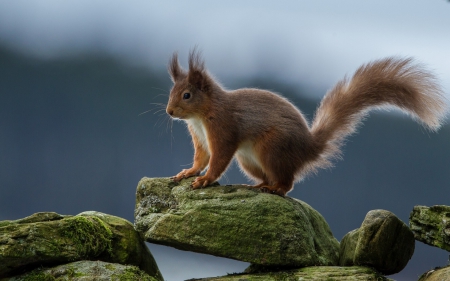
(195, 61)
(197, 74)
(175, 70)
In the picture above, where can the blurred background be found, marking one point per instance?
(83, 85)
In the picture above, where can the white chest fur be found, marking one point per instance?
(200, 131)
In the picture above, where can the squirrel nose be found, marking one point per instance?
(169, 111)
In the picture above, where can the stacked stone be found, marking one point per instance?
(383, 242)
(431, 225)
(273, 233)
(88, 246)
(283, 238)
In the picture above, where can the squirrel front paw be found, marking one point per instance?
(184, 174)
(200, 182)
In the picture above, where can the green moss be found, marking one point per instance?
(38, 275)
(71, 272)
(313, 273)
(110, 267)
(5, 223)
(283, 276)
(90, 235)
(431, 225)
(132, 273)
(277, 230)
(56, 240)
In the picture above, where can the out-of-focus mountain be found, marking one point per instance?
(72, 138)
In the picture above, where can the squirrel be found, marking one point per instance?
(271, 139)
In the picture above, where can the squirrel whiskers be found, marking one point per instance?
(270, 137)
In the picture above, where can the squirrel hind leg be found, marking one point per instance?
(275, 174)
(266, 185)
(255, 173)
(279, 169)
(251, 170)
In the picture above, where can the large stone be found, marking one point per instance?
(431, 225)
(49, 238)
(383, 242)
(437, 274)
(236, 222)
(314, 273)
(85, 271)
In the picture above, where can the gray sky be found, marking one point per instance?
(311, 42)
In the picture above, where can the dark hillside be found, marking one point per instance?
(72, 139)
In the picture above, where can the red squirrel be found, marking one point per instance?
(270, 138)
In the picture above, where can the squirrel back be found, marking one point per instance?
(269, 136)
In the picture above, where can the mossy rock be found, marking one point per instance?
(85, 271)
(49, 238)
(431, 225)
(235, 222)
(383, 242)
(313, 273)
(437, 274)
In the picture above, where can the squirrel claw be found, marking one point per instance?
(200, 182)
(184, 174)
(177, 178)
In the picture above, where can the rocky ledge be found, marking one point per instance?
(50, 239)
(383, 242)
(235, 222)
(86, 271)
(437, 274)
(283, 238)
(314, 273)
(431, 225)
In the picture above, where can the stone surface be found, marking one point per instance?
(431, 225)
(348, 248)
(236, 222)
(437, 274)
(383, 242)
(85, 271)
(48, 239)
(315, 273)
(257, 268)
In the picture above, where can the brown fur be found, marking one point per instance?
(270, 137)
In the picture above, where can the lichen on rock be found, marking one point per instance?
(431, 225)
(236, 222)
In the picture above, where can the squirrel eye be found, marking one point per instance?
(186, 96)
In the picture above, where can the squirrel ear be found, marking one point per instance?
(197, 75)
(198, 79)
(175, 70)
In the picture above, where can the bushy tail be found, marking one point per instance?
(391, 81)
